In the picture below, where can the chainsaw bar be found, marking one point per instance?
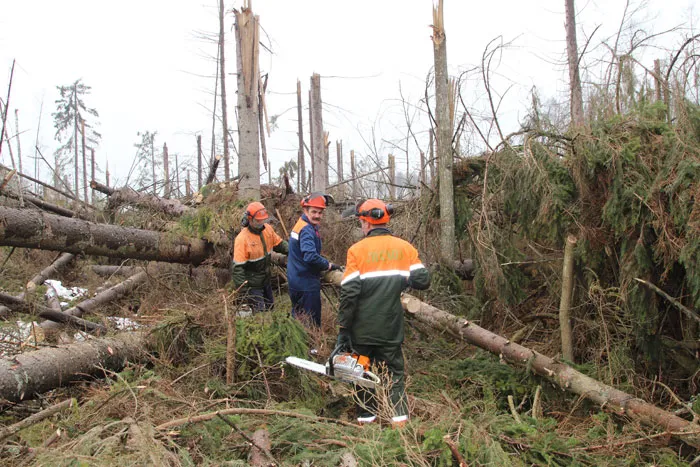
(368, 380)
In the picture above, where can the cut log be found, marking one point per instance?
(30, 229)
(559, 373)
(130, 196)
(55, 267)
(23, 376)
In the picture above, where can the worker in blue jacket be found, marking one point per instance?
(305, 263)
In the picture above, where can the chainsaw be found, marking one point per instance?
(348, 367)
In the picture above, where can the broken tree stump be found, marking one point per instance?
(25, 375)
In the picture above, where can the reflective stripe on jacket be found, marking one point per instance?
(305, 263)
(251, 256)
(377, 270)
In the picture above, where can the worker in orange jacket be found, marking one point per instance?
(378, 268)
(251, 265)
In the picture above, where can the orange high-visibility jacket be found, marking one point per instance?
(377, 270)
(251, 256)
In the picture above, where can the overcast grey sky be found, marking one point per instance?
(149, 69)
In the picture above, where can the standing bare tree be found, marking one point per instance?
(573, 59)
(319, 160)
(300, 157)
(247, 34)
(222, 74)
(444, 136)
(166, 172)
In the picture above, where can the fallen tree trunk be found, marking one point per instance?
(8, 431)
(73, 321)
(30, 229)
(128, 195)
(20, 305)
(46, 206)
(102, 298)
(205, 274)
(40, 278)
(559, 373)
(25, 375)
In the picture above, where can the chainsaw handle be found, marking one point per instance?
(336, 351)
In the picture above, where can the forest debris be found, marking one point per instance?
(688, 312)
(104, 297)
(8, 431)
(559, 373)
(246, 411)
(260, 444)
(455, 451)
(25, 375)
(128, 195)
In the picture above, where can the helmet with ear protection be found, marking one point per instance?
(255, 210)
(317, 200)
(374, 211)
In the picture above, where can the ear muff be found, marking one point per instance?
(244, 221)
(390, 209)
(374, 213)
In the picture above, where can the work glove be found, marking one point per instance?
(337, 267)
(344, 340)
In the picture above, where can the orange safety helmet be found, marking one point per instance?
(316, 200)
(374, 211)
(257, 211)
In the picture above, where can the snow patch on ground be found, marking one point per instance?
(66, 293)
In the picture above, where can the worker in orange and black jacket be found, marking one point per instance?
(250, 269)
(378, 268)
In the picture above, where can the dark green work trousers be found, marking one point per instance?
(383, 358)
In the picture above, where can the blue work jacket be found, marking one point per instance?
(305, 263)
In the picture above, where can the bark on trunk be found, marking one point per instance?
(319, 161)
(248, 79)
(31, 229)
(444, 136)
(199, 162)
(260, 450)
(40, 203)
(567, 288)
(301, 169)
(573, 59)
(26, 375)
(58, 317)
(166, 171)
(127, 195)
(222, 75)
(559, 373)
(47, 272)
